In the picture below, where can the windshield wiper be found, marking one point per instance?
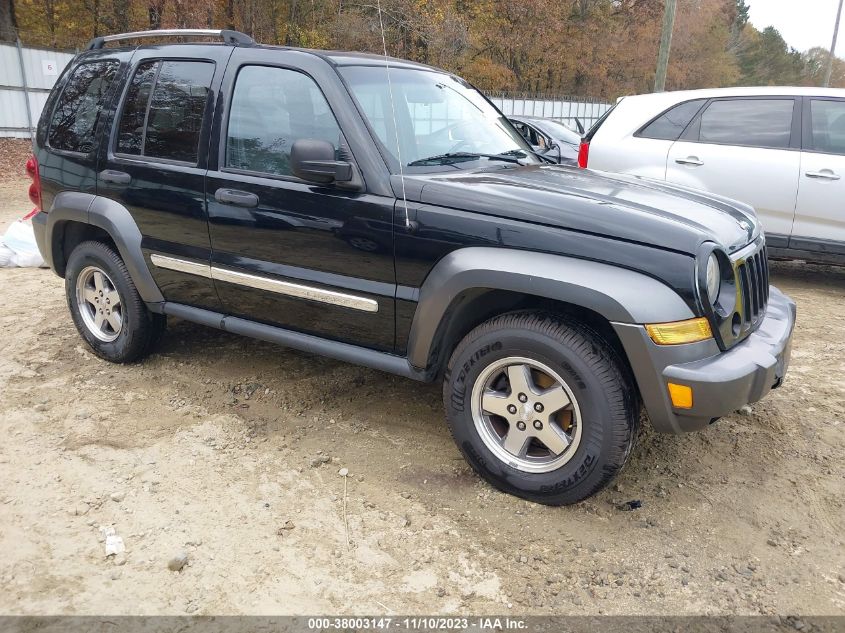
(444, 159)
(525, 152)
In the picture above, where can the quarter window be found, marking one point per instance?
(827, 119)
(272, 108)
(75, 116)
(748, 122)
(669, 125)
(164, 109)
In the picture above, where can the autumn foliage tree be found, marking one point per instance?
(599, 48)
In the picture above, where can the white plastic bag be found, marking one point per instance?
(18, 247)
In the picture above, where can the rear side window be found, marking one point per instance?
(75, 116)
(164, 108)
(272, 108)
(669, 125)
(748, 122)
(827, 125)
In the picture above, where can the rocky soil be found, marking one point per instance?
(230, 476)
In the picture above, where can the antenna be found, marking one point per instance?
(393, 109)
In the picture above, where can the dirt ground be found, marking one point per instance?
(228, 450)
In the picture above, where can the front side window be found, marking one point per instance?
(420, 115)
(75, 116)
(748, 122)
(669, 125)
(827, 125)
(164, 109)
(272, 108)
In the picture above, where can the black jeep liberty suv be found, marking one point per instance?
(384, 213)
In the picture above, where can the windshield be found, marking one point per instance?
(439, 118)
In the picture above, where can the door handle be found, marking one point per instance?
(115, 177)
(824, 174)
(689, 160)
(236, 198)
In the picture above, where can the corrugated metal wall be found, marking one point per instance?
(563, 109)
(41, 70)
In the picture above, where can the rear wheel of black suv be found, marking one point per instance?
(105, 305)
(540, 407)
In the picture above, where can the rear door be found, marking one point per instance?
(820, 211)
(746, 148)
(625, 140)
(154, 164)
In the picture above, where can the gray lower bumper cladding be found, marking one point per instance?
(721, 382)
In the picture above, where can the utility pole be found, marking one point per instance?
(829, 70)
(666, 44)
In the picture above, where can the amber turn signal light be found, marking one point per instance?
(678, 332)
(681, 395)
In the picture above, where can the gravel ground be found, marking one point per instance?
(216, 462)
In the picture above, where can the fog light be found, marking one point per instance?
(681, 396)
(689, 331)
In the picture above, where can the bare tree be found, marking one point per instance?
(155, 10)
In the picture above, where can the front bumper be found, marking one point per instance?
(721, 382)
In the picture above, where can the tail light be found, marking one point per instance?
(35, 186)
(583, 154)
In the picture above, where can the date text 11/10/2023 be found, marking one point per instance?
(417, 623)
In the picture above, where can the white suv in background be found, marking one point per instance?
(779, 149)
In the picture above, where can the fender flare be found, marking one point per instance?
(114, 219)
(618, 294)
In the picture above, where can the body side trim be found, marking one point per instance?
(286, 288)
(181, 265)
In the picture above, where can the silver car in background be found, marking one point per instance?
(782, 150)
(549, 137)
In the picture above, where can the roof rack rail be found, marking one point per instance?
(233, 38)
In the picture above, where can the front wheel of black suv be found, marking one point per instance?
(105, 305)
(540, 407)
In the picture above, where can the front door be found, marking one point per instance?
(820, 211)
(746, 149)
(287, 252)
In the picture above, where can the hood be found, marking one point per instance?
(623, 207)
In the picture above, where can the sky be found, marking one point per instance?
(802, 23)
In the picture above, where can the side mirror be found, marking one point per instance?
(314, 161)
(553, 151)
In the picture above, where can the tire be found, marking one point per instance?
(95, 271)
(592, 436)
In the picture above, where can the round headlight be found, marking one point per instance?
(714, 278)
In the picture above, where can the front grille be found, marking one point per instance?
(752, 273)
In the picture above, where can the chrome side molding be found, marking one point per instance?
(286, 288)
(181, 265)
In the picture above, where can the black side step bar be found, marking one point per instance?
(382, 361)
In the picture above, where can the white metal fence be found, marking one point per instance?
(26, 77)
(27, 74)
(563, 109)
